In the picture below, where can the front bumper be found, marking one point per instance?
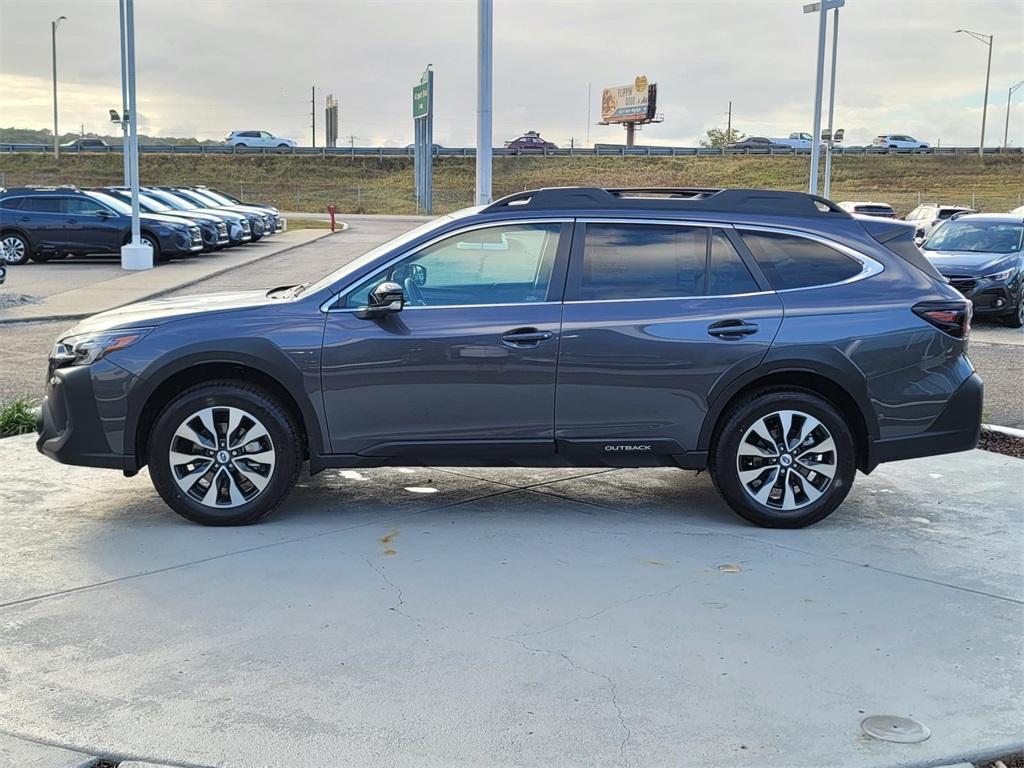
(955, 429)
(989, 297)
(81, 420)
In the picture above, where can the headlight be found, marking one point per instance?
(1004, 275)
(87, 348)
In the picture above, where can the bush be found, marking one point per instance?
(17, 417)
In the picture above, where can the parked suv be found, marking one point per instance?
(257, 139)
(982, 255)
(927, 216)
(42, 223)
(767, 336)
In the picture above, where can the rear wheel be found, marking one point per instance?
(783, 458)
(224, 453)
(14, 249)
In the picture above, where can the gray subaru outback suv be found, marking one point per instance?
(769, 337)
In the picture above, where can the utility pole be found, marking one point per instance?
(1009, 95)
(312, 112)
(728, 126)
(53, 41)
(484, 73)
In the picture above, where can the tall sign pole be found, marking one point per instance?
(423, 123)
(822, 7)
(135, 255)
(827, 187)
(484, 77)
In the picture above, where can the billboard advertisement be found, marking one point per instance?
(629, 103)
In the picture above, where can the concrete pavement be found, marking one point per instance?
(425, 617)
(81, 287)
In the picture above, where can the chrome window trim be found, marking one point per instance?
(326, 308)
(869, 267)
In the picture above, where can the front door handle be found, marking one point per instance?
(525, 337)
(732, 329)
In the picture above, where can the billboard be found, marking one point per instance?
(629, 103)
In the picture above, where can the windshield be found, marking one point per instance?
(109, 200)
(977, 237)
(377, 252)
(172, 200)
(193, 198)
(153, 204)
(216, 197)
(204, 198)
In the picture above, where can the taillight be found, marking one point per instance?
(952, 317)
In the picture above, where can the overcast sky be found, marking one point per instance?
(205, 68)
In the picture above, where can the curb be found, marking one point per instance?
(1008, 431)
(165, 291)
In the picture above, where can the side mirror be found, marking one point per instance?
(918, 241)
(385, 299)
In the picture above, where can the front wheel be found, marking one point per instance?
(1016, 320)
(14, 249)
(224, 453)
(783, 458)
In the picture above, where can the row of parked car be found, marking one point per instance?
(46, 223)
(981, 254)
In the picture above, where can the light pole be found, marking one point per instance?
(136, 254)
(821, 8)
(53, 40)
(1009, 95)
(987, 40)
(484, 73)
(827, 187)
(125, 154)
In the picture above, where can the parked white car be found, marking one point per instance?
(257, 139)
(899, 141)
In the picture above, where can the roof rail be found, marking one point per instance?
(763, 201)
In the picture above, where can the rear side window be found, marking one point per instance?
(727, 273)
(639, 261)
(789, 261)
(42, 204)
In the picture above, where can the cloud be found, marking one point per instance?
(211, 67)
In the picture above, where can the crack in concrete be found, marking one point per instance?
(595, 614)
(576, 666)
(397, 607)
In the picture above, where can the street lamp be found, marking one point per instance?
(987, 40)
(1009, 94)
(53, 40)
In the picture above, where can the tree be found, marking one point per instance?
(720, 137)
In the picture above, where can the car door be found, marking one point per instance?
(655, 315)
(266, 139)
(468, 365)
(42, 217)
(91, 227)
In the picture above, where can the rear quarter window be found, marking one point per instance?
(790, 261)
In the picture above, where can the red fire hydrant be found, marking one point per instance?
(332, 209)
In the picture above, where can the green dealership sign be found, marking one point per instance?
(421, 100)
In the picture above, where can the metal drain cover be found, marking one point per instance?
(903, 730)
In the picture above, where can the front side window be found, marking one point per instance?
(83, 206)
(11, 203)
(510, 264)
(639, 261)
(789, 261)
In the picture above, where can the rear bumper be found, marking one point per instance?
(955, 429)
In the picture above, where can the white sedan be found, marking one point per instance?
(899, 141)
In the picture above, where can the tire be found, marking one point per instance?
(798, 506)
(153, 243)
(14, 249)
(235, 499)
(1016, 320)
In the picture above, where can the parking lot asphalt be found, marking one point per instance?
(426, 617)
(997, 351)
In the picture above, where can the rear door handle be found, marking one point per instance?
(731, 329)
(525, 337)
